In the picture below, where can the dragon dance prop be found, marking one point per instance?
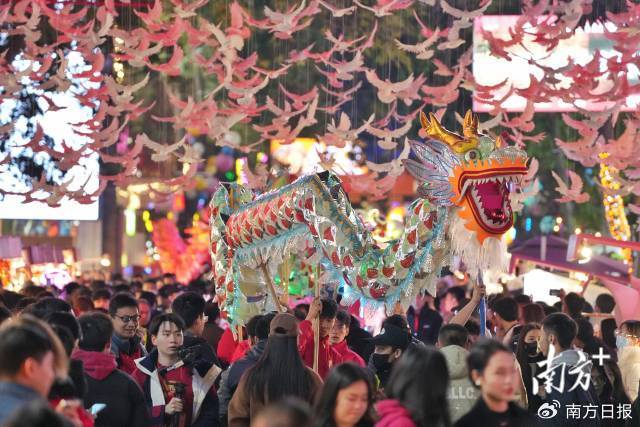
(466, 183)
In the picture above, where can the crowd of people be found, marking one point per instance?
(153, 352)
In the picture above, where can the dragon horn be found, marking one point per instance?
(470, 125)
(424, 121)
(435, 130)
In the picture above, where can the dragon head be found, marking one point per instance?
(472, 172)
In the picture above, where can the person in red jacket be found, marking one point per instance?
(338, 341)
(228, 344)
(325, 311)
(176, 390)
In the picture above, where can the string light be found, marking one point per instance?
(105, 261)
(146, 219)
(614, 206)
(118, 66)
(586, 252)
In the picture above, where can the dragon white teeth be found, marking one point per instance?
(464, 190)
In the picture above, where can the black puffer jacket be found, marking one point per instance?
(231, 377)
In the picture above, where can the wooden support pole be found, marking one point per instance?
(285, 280)
(316, 326)
(272, 289)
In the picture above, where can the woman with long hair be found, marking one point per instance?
(346, 399)
(279, 373)
(416, 391)
(528, 355)
(605, 374)
(492, 368)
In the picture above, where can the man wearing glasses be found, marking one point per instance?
(125, 342)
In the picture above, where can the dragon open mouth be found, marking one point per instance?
(489, 201)
(486, 191)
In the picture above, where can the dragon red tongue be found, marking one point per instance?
(490, 195)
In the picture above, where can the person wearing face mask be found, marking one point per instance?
(628, 344)
(492, 369)
(390, 343)
(528, 356)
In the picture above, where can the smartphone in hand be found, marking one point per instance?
(96, 408)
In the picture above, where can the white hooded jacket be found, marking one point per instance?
(629, 363)
(462, 395)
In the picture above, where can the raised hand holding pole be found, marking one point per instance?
(482, 308)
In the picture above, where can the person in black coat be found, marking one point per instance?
(572, 381)
(190, 307)
(74, 386)
(258, 334)
(424, 322)
(359, 340)
(492, 369)
(125, 404)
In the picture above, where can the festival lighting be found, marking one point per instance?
(146, 219)
(585, 255)
(614, 207)
(130, 222)
(105, 261)
(528, 224)
(118, 66)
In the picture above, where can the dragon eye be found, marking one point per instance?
(472, 155)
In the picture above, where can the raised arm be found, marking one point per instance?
(465, 312)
